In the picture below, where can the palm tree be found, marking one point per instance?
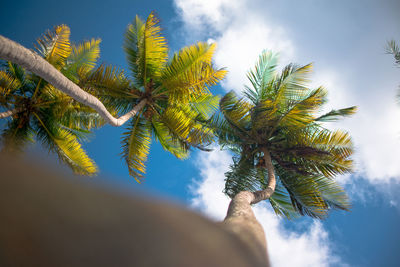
(170, 96)
(31, 61)
(283, 152)
(37, 110)
(393, 48)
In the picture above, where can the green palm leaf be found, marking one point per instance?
(261, 76)
(55, 46)
(146, 49)
(65, 144)
(82, 59)
(136, 146)
(173, 145)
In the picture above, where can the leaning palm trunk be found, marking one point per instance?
(16, 53)
(240, 217)
(9, 113)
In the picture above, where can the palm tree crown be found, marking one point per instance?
(171, 95)
(40, 111)
(278, 116)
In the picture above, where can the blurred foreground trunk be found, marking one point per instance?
(49, 220)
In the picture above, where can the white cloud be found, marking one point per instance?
(310, 248)
(375, 128)
(241, 35)
(244, 28)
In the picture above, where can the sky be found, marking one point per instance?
(344, 40)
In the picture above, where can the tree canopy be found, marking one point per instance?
(281, 114)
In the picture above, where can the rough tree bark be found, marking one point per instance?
(240, 217)
(16, 53)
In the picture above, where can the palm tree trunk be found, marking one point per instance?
(267, 192)
(16, 53)
(240, 218)
(9, 113)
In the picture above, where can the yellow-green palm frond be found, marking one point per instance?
(261, 77)
(205, 105)
(155, 48)
(316, 150)
(181, 121)
(335, 115)
(133, 39)
(173, 145)
(236, 111)
(136, 147)
(82, 59)
(301, 112)
(8, 84)
(264, 116)
(78, 117)
(190, 72)
(188, 56)
(292, 84)
(146, 49)
(65, 144)
(55, 46)
(221, 128)
(68, 112)
(111, 86)
(332, 139)
(70, 151)
(313, 195)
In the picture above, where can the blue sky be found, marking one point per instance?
(345, 41)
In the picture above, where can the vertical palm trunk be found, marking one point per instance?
(16, 53)
(240, 217)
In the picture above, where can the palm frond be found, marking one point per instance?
(16, 135)
(281, 203)
(8, 85)
(393, 48)
(133, 39)
(236, 111)
(292, 84)
(222, 129)
(244, 176)
(136, 146)
(155, 48)
(205, 105)
(300, 113)
(261, 77)
(173, 145)
(146, 49)
(182, 123)
(335, 115)
(82, 59)
(55, 46)
(111, 86)
(190, 72)
(313, 195)
(65, 144)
